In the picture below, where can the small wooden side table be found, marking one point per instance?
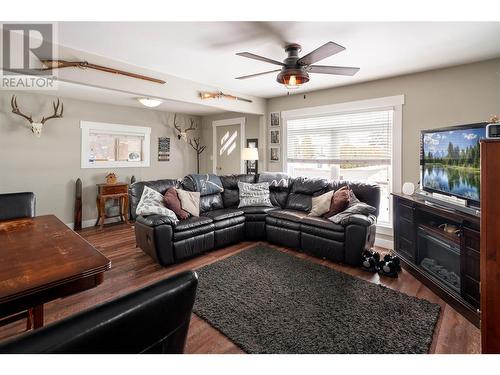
(111, 191)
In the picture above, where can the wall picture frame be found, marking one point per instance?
(275, 119)
(275, 155)
(163, 148)
(274, 136)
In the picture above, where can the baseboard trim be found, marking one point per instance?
(382, 242)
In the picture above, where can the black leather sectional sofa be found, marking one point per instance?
(222, 223)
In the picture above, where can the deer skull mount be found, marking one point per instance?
(183, 133)
(36, 127)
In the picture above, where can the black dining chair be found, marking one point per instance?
(154, 319)
(17, 206)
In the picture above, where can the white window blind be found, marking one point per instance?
(351, 146)
(362, 138)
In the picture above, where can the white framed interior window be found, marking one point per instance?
(357, 141)
(114, 145)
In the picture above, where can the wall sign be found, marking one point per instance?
(163, 149)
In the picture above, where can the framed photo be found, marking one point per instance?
(275, 119)
(275, 155)
(274, 136)
(252, 165)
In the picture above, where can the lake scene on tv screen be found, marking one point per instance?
(451, 162)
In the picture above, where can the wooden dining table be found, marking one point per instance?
(41, 259)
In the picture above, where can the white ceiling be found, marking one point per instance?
(128, 99)
(205, 51)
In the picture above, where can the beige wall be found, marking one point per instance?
(254, 128)
(452, 96)
(50, 165)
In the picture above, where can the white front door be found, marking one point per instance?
(227, 156)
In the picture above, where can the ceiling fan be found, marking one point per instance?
(295, 70)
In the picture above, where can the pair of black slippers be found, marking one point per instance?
(390, 265)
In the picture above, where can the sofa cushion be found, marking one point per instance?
(229, 222)
(322, 223)
(359, 208)
(257, 209)
(135, 191)
(190, 201)
(256, 213)
(310, 186)
(254, 194)
(231, 193)
(339, 202)
(279, 184)
(172, 202)
(321, 204)
(151, 203)
(222, 214)
(211, 202)
(192, 222)
(282, 224)
(291, 215)
(276, 180)
(193, 232)
(209, 186)
(205, 184)
(300, 202)
(154, 220)
(365, 192)
(321, 233)
(302, 191)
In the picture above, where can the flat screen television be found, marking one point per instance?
(449, 160)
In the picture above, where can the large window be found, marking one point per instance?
(352, 145)
(114, 146)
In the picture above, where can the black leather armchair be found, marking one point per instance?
(17, 205)
(154, 319)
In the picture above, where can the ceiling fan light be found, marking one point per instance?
(292, 78)
(150, 102)
(207, 95)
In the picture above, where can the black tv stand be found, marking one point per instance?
(445, 261)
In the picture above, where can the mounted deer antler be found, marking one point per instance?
(192, 125)
(183, 133)
(56, 114)
(36, 127)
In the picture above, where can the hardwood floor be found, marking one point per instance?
(132, 269)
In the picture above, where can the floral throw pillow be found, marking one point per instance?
(151, 203)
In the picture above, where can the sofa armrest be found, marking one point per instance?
(358, 237)
(154, 220)
(360, 220)
(154, 235)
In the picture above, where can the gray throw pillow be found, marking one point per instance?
(254, 194)
(151, 203)
(353, 209)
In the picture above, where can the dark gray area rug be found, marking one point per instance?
(267, 301)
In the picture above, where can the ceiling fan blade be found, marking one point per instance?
(261, 58)
(338, 70)
(258, 74)
(326, 50)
